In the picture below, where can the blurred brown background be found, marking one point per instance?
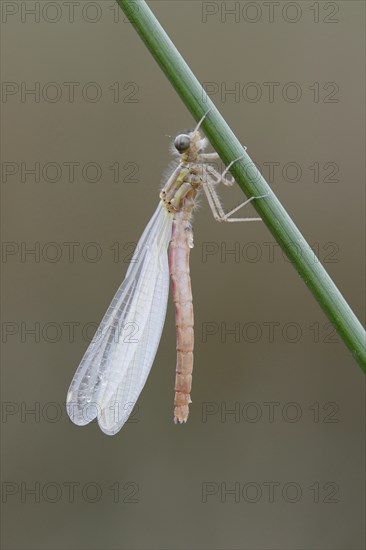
(292, 454)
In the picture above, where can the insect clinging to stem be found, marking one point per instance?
(113, 371)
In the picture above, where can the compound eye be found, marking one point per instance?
(182, 143)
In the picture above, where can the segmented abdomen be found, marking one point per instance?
(181, 243)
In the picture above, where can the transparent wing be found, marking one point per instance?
(118, 404)
(126, 336)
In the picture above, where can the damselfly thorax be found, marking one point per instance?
(114, 369)
(181, 188)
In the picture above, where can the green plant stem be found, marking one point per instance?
(247, 176)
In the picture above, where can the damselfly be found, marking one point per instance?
(114, 368)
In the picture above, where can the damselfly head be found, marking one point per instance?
(182, 143)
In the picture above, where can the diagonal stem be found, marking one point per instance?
(247, 176)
